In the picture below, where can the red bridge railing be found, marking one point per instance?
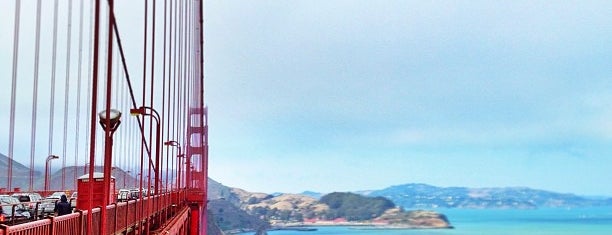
(164, 212)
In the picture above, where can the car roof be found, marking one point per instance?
(25, 194)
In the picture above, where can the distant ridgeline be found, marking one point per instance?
(21, 174)
(238, 210)
(427, 196)
(245, 211)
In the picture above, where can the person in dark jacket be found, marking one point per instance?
(63, 207)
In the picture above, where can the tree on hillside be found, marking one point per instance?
(355, 207)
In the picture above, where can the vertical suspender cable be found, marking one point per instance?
(177, 89)
(94, 100)
(186, 53)
(169, 76)
(53, 67)
(107, 132)
(78, 95)
(151, 104)
(35, 96)
(13, 95)
(188, 67)
(163, 116)
(66, 94)
(130, 88)
(144, 87)
(89, 75)
(181, 73)
(117, 157)
(174, 69)
(120, 105)
(179, 58)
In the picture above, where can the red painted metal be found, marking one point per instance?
(66, 224)
(36, 227)
(180, 211)
(93, 113)
(108, 128)
(123, 218)
(177, 225)
(197, 178)
(194, 223)
(98, 198)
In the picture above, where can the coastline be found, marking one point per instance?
(355, 225)
(310, 227)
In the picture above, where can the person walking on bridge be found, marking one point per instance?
(63, 207)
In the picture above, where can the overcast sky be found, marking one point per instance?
(349, 95)
(354, 95)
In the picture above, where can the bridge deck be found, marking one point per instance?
(166, 213)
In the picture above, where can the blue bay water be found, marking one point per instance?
(578, 221)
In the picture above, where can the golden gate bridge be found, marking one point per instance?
(111, 90)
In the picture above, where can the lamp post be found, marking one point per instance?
(49, 158)
(109, 120)
(179, 156)
(142, 110)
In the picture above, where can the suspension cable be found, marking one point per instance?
(144, 91)
(13, 95)
(157, 168)
(66, 92)
(163, 111)
(94, 98)
(35, 96)
(78, 101)
(53, 67)
(130, 87)
(89, 81)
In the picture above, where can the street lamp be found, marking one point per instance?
(112, 122)
(49, 158)
(179, 156)
(109, 120)
(142, 110)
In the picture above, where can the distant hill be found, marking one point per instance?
(312, 194)
(427, 196)
(55, 179)
(21, 173)
(228, 217)
(355, 207)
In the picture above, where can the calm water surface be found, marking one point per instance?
(582, 221)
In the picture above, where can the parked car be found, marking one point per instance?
(73, 199)
(8, 206)
(135, 194)
(48, 206)
(30, 201)
(123, 195)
